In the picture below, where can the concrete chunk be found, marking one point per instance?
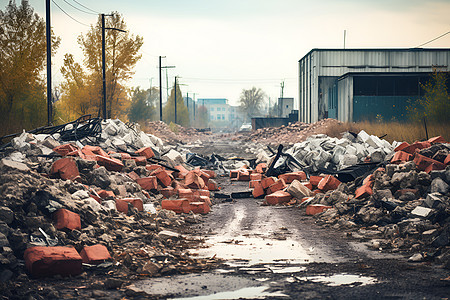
(421, 211)
(298, 190)
(13, 165)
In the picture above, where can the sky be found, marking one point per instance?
(220, 47)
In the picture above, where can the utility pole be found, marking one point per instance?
(104, 62)
(175, 99)
(160, 85)
(280, 103)
(187, 101)
(49, 62)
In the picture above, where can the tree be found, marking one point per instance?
(22, 60)
(435, 104)
(251, 101)
(143, 104)
(121, 57)
(201, 117)
(169, 109)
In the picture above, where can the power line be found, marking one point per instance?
(236, 80)
(433, 39)
(86, 7)
(86, 12)
(69, 15)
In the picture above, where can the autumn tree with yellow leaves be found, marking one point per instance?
(82, 86)
(22, 62)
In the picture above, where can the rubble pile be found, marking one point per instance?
(179, 134)
(290, 134)
(402, 205)
(73, 206)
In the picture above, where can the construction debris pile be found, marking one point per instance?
(290, 134)
(398, 202)
(70, 206)
(176, 135)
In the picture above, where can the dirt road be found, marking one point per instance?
(275, 252)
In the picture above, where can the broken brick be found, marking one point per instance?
(203, 175)
(148, 183)
(210, 173)
(65, 219)
(422, 163)
(178, 206)
(168, 192)
(258, 190)
(95, 255)
(243, 175)
(185, 193)
(268, 181)
(314, 180)
(277, 186)
(146, 151)
(255, 176)
(278, 197)
(93, 151)
(136, 202)
(199, 207)
(111, 164)
(66, 168)
(125, 156)
(66, 149)
(328, 183)
(234, 174)
(417, 145)
(308, 185)
(194, 181)
(162, 176)
(437, 139)
(401, 146)
(122, 206)
(140, 160)
(133, 175)
(289, 177)
(212, 185)
(363, 191)
(251, 183)
(400, 156)
(49, 261)
(314, 209)
(105, 194)
(153, 167)
(261, 168)
(447, 160)
(182, 171)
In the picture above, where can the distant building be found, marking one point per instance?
(285, 106)
(359, 84)
(220, 113)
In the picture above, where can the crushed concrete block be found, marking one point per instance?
(175, 156)
(7, 164)
(166, 234)
(439, 186)
(49, 261)
(6, 215)
(421, 211)
(298, 190)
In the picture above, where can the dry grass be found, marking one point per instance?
(394, 131)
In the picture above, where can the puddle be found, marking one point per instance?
(284, 270)
(341, 279)
(256, 292)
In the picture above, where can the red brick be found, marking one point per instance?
(133, 175)
(201, 198)
(147, 152)
(168, 192)
(243, 175)
(182, 171)
(417, 145)
(251, 183)
(95, 255)
(140, 160)
(186, 194)
(315, 192)
(328, 183)
(255, 176)
(314, 180)
(369, 180)
(194, 181)
(447, 160)
(162, 176)
(212, 185)
(315, 209)
(105, 194)
(66, 149)
(122, 206)
(261, 168)
(125, 156)
(401, 146)
(308, 185)
(258, 191)
(65, 219)
(277, 186)
(49, 261)
(204, 176)
(66, 168)
(437, 139)
(153, 167)
(148, 183)
(210, 173)
(111, 164)
(401, 156)
(93, 151)
(278, 197)
(96, 198)
(202, 193)
(199, 207)
(178, 206)
(363, 191)
(136, 202)
(423, 162)
(289, 177)
(268, 181)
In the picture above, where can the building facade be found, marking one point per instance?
(221, 114)
(360, 84)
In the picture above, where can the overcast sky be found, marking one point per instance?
(220, 47)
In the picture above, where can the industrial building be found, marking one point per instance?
(360, 84)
